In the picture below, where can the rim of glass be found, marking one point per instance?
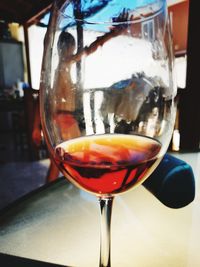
(137, 15)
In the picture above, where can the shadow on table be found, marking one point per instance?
(15, 261)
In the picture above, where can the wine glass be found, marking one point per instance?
(107, 96)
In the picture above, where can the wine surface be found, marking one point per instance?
(107, 164)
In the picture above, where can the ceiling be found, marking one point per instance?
(23, 11)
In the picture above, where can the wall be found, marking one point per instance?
(179, 16)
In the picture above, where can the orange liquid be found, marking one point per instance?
(107, 164)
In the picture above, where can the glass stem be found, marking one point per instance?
(105, 245)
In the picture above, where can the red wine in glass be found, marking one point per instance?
(108, 164)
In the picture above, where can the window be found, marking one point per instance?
(148, 30)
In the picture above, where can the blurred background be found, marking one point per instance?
(23, 23)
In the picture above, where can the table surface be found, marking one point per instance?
(60, 224)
